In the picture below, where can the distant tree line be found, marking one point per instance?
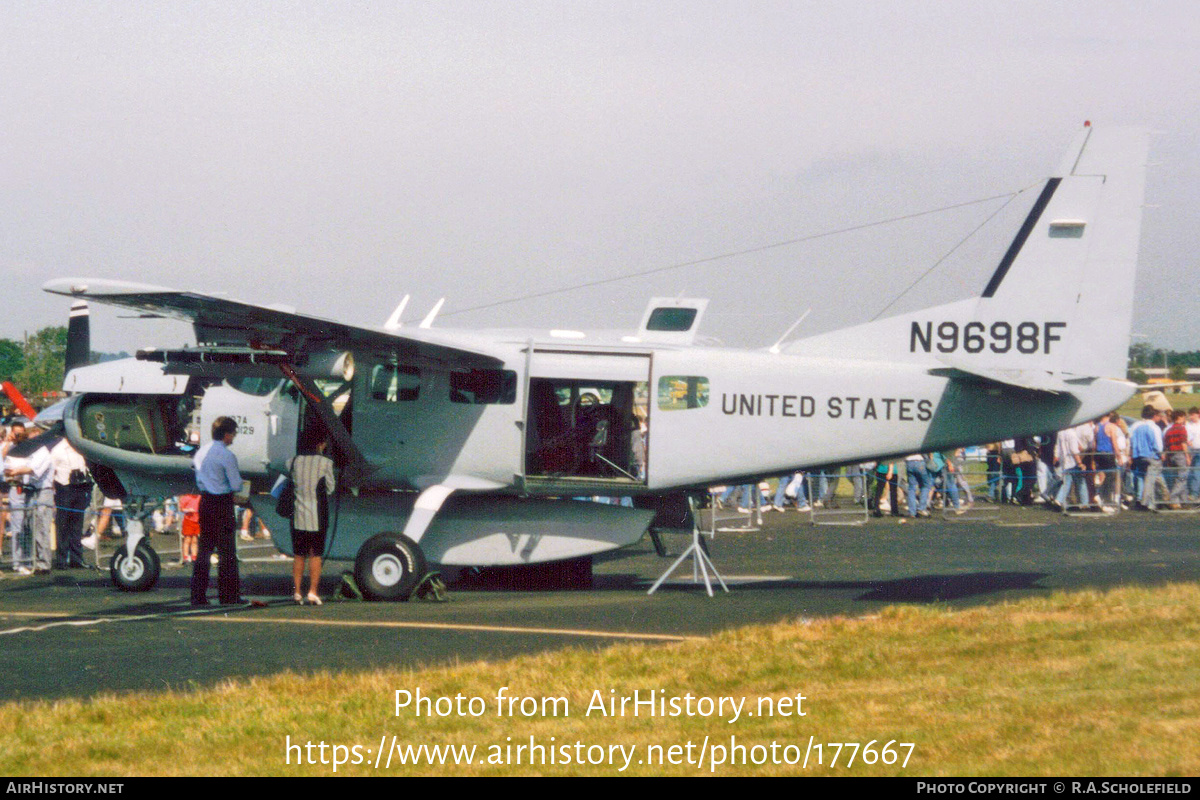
(35, 366)
(1143, 356)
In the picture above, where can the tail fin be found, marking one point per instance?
(79, 344)
(1060, 301)
(1077, 264)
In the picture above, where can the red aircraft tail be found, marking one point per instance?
(18, 400)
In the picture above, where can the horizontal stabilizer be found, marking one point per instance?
(1036, 380)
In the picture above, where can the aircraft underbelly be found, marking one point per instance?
(481, 530)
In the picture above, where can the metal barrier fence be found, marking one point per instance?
(983, 481)
(1087, 492)
(1163, 488)
(23, 540)
(825, 507)
(744, 517)
(965, 502)
(120, 521)
(824, 498)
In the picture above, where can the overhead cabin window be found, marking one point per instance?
(395, 384)
(484, 387)
(680, 392)
(1067, 229)
(671, 320)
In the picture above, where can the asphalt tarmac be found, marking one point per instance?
(71, 634)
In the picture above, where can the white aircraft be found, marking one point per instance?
(463, 447)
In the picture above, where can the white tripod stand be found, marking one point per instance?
(701, 563)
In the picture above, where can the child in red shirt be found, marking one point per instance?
(189, 506)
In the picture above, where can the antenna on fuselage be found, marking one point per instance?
(393, 322)
(433, 312)
(775, 347)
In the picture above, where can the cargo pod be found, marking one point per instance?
(584, 428)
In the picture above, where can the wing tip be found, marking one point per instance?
(98, 287)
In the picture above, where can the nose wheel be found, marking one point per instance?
(136, 573)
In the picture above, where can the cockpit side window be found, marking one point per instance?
(484, 386)
(391, 383)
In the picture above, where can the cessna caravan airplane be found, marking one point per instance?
(465, 447)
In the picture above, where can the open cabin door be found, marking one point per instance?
(586, 420)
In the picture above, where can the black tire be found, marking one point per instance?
(388, 567)
(138, 574)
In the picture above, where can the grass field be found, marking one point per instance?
(1070, 684)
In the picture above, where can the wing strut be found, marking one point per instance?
(356, 468)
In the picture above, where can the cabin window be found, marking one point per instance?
(391, 383)
(680, 392)
(671, 320)
(484, 387)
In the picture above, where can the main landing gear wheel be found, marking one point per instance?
(136, 574)
(388, 567)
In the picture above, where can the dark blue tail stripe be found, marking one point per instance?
(1035, 213)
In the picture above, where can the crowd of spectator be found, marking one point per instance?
(51, 511)
(1099, 465)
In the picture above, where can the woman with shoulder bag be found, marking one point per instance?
(313, 483)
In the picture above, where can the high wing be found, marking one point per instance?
(222, 322)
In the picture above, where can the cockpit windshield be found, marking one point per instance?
(259, 387)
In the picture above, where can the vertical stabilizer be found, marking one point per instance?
(1060, 300)
(1071, 266)
(79, 344)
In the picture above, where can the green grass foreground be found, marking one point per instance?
(1078, 684)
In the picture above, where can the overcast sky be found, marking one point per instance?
(336, 155)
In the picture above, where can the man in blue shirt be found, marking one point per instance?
(218, 478)
(1146, 448)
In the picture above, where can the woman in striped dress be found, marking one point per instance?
(313, 484)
